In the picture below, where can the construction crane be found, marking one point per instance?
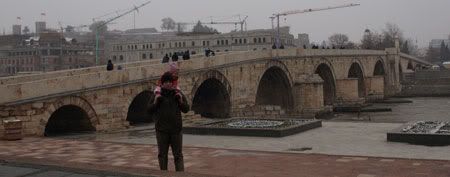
(242, 23)
(104, 23)
(292, 12)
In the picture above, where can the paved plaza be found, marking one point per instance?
(345, 146)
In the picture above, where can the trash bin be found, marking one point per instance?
(13, 130)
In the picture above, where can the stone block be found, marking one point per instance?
(24, 118)
(18, 113)
(4, 113)
(37, 105)
(31, 112)
(25, 107)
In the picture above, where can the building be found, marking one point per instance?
(155, 46)
(17, 29)
(436, 43)
(48, 52)
(40, 27)
(303, 41)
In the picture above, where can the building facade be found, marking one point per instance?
(40, 27)
(436, 43)
(156, 46)
(48, 52)
(17, 29)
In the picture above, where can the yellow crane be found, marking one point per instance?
(292, 12)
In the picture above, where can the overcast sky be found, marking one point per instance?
(419, 19)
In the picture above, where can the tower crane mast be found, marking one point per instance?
(101, 24)
(292, 12)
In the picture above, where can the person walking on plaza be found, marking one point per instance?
(110, 66)
(167, 107)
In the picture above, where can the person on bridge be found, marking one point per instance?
(110, 66)
(175, 57)
(166, 59)
(167, 108)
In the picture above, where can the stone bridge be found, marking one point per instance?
(275, 83)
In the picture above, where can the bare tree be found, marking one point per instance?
(338, 40)
(390, 33)
(70, 28)
(168, 24)
(199, 28)
(372, 40)
(181, 27)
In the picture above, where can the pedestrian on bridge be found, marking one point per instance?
(167, 108)
(166, 59)
(110, 66)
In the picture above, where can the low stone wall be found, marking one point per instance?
(427, 83)
(261, 111)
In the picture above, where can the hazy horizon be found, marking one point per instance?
(419, 19)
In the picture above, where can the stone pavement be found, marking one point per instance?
(30, 170)
(141, 159)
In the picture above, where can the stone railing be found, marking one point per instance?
(19, 88)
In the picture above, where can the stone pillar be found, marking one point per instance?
(374, 88)
(308, 96)
(347, 92)
(393, 86)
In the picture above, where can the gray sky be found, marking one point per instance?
(420, 19)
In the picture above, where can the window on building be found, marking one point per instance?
(151, 56)
(254, 40)
(222, 42)
(151, 46)
(259, 40)
(163, 45)
(245, 41)
(135, 47)
(264, 40)
(218, 42)
(121, 57)
(143, 46)
(184, 44)
(226, 42)
(240, 41)
(144, 56)
(114, 58)
(235, 41)
(193, 43)
(176, 45)
(207, 43)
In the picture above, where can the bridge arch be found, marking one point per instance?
(357, 72)
(136, 107)
(410, 66)
(69, 115)
(275, 86)
(326, 72)
(379, 69)
(211, 95)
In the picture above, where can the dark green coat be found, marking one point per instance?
(167, 111)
